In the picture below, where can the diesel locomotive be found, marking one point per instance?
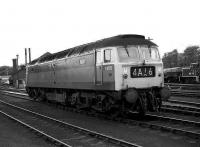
(114, 75)
(185, 75)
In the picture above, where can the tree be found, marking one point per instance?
(191, 55)
(174, 59)
(170, 59)
(5, 70)
(181, 60)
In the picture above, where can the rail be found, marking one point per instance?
(74, 127)
(160, 123)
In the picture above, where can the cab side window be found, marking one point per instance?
(108, 56)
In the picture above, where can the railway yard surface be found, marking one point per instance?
(177, 125)
(14, 135)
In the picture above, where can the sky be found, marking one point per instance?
(55, 25)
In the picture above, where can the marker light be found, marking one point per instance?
(160, 70)
(125, 76)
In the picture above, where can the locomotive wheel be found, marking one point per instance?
(142, 108)
(114, 112)
(41, 95)
(123, 110)
(154, 103)
(74, 99)
(29, 92)
(159, 103)
(35, 94)
(32, 93)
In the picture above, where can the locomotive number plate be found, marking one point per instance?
(143, 71)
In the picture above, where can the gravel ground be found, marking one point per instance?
(14, 135)
(142, 136)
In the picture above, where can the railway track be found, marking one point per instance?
(187, 93)
(184, 86)
(13, 89)
(180, 110)
(59, 132)
(175, 125)
(181, 107)
(160, 122)
(40, 133)
(168, 123)
(189, 90)
(166, 107)
(194, 104)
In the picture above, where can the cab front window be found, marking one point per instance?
(139, 52)
(154, 53)
(127, 54)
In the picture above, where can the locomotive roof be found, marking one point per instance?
(120, 40)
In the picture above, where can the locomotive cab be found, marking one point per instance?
(136, 72)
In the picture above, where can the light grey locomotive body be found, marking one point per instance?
(121, 73)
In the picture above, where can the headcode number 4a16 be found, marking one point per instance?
(145, 72)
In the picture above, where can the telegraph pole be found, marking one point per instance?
(25, 57)
(17, 60)
(17, 81)
(29, 50)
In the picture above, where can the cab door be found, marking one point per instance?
(109, 68)
(98, 67)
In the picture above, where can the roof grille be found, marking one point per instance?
(132, 36)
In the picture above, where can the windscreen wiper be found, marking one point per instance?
(127, 51)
